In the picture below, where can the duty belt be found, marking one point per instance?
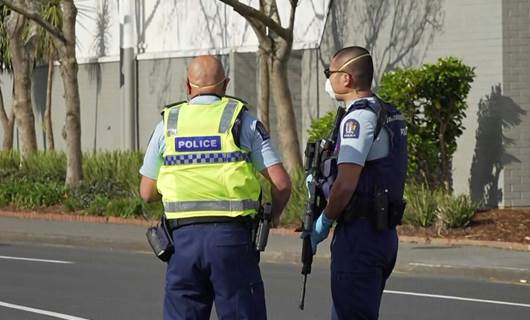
(177, 223)
(365, 208)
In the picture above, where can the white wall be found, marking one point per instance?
(174, 27)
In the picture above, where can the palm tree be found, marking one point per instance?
(101, 43)
(7, 121)
(65, 41)
(47, 53)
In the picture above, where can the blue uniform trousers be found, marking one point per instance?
(213, 262)
(362, 259)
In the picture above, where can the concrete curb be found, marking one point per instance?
(57, 216)
(466, 242)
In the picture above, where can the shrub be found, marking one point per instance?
(30, 195)
(294, 210)
(456, 212)
(97, 206)
(38, 167)
(321, 127)
(7, 190)
(153, 210)
(112, 172)
(421, 205)
(125, 207)
(9, 164)
(433, 100)
(44, 167)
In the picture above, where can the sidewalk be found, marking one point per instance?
(283, 247)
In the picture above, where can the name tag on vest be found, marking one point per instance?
(186, 144)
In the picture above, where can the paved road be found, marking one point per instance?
(469, 261)
(82, 283)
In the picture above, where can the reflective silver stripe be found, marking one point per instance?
(220, 205)
(226, 118)
(172, 121)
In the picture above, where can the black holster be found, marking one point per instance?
(263, 226)
(160, 240)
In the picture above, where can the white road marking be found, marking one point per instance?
(448, 266)
(437, 296)
(36, 260)
(40, 311)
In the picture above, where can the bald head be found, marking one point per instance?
(206, 75)
(357, 62)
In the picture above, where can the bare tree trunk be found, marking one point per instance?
(264, 84)
(22, 63)
(285, 116)
(69, 69)
(65, 42)
(444, 157)
(48, 112)
(8, 125)
(276, 41)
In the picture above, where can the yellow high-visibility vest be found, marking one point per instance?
(205, 173)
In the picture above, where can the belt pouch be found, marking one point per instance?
(381, 218)
(159, 239)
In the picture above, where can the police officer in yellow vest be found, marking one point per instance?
(202, 159)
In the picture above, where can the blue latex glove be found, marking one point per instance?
(320, 230)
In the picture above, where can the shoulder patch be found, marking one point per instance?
(262, 131)
(351, 129)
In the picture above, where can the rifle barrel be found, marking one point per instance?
(302, 298)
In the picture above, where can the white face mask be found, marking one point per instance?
(329, 90)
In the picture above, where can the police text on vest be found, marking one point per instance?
(207, 143)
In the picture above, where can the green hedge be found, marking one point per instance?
(110, 188)
(110, 185)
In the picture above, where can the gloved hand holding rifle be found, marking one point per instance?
(316, 225)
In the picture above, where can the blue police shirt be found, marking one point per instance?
(252, 139)
(356, 137)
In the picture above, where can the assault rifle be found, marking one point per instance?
(316, 154)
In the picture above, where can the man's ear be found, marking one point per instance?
(350, 81)
(225, 85)
(188, 87)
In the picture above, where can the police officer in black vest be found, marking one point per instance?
(366, 197)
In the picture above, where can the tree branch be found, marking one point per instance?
(34, 16)
(259, 29)
(249, 12)
(294, 4)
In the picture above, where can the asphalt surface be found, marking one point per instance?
(467, 261)
(83, 283)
